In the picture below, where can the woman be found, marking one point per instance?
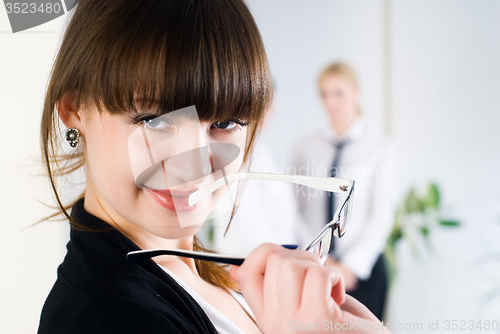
(345, 148)
(122, 69)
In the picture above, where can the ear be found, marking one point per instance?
(68, 108)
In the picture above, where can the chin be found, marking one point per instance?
(168, 224)
(174, 232)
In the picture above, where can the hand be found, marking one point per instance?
(350, 280)
(288, 289)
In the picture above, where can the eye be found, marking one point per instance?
(157, 123)
(226, 125)
(230, 125)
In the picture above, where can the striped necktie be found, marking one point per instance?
(333, 173)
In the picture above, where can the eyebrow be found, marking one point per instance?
(141, 101)
(140, 105)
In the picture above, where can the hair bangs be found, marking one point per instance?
(223, 72)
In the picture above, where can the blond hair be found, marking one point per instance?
(341, 69)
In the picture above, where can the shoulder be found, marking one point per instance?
(122, 315)
(380, 152)
(376, 142)
(311, 138)
(386, 147)
(69, 310)
(137, 303)
(308, 142)
(97, 291)
(117, 315)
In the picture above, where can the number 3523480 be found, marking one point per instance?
(470, 325)
(24, 7)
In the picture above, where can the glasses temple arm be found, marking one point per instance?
(320, 183)
(136, 256)
(140, 255)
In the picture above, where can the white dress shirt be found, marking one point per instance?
(222, 324)
(368, 159)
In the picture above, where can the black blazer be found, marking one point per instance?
(97, 291)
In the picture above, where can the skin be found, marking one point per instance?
(340, 99)
(351, 281)
(306, 291)
(281, 284)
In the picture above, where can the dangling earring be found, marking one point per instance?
(73, 136)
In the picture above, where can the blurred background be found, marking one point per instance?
(429, 75)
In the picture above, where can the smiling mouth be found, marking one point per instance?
(173, 200)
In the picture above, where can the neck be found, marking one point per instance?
(342, 125)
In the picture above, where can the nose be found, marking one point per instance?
(191, 160)
(189, 166)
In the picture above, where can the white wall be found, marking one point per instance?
(444, 120)
(446, 74)
(30, 255)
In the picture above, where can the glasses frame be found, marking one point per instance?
(330, 184)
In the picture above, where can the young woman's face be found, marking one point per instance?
(145, 167)
(339, 97)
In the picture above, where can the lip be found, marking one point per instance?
(173, 200)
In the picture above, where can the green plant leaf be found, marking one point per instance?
(449, 223)
(433, 197)
(412, 203)
(425, 231)
(395, 236)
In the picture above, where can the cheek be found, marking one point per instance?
(351, 102)
(332, 101)
(235, 165)
(344, 103)
(109, 163)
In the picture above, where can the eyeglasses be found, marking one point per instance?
(321, 245)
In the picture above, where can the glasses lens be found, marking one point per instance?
(345, 214)
(322, 247)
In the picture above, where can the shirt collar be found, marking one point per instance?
(354, 132)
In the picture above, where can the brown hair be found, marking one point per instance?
(343, 69)
(170, 54)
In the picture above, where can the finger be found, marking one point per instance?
(354, 285)
(250, 276)
(338, 289)
(319, 295)
(251, 273)
(283, 280)
(356, 308)
(271, 302)
(233, 271)
(349, 286)
(290, 282)
(255, 258)
(339, 284)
